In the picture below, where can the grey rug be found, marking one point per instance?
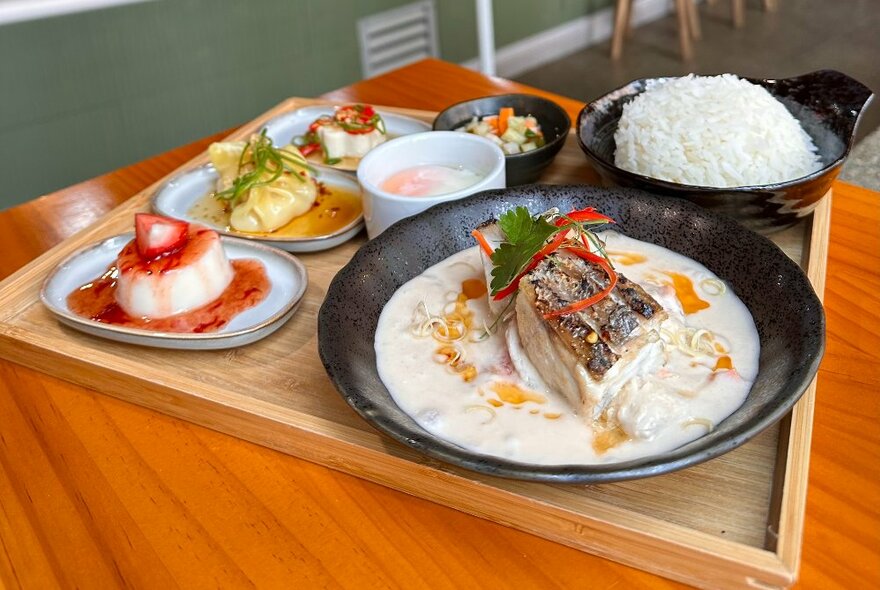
(863, 166)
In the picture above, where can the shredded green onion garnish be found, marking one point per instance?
(261, 164)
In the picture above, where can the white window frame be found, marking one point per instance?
(14, 11)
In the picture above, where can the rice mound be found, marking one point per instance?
(717, 131)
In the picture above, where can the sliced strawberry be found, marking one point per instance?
(156, 235)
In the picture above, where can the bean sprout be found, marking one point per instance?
(713, 287)
(449, 329)
(699, 422)
(450, 355)
(446, 329)
(487, 409)
(690, 341)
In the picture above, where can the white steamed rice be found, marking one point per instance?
(717, 131)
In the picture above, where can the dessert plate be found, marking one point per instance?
(286, 274)
(179, 197)
(283, 128)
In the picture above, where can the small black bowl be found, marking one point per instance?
(520, 168)
(826, 103)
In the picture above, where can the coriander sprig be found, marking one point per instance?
(527, 238)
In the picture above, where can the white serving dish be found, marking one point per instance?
(287, 276)
(284, 128)
(177, 196)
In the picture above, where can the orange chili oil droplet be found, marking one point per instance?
(627, 258)
(473, 288)
(684, 291)
(724, 363)
(512, 393)
(608, 437)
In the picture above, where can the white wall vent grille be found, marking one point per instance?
(397, 37)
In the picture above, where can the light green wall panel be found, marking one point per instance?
(87, 93)
(514, 20)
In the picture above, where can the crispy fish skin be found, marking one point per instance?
(638, 299)
(562, 279)
(574, 353)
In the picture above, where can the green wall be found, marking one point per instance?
(87, 93)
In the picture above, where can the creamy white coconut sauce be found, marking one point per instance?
(491, 401)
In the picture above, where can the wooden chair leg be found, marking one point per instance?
(738, 12)
(684, 32)
(694, 20)
(621, 19)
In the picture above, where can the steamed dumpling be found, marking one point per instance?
(269, 207)
(266, 207)
(224, 156)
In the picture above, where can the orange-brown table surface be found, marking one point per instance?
(98, 493)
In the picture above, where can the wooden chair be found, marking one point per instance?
(688, 27)
(738, 10)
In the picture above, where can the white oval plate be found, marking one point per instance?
(283, 128)
(177, 196)
(287, 276)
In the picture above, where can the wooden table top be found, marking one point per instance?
(98, 493)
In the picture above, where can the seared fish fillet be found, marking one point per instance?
(585, 355)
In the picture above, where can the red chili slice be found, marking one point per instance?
(583, 303)
(310, 148)
(588, 214)
(543, 253)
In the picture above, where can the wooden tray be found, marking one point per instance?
(733, 522)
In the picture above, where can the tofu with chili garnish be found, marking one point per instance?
(350, 132)
(587, 354)
(339, 143)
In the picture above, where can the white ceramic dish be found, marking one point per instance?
(283, 128)
(443, 148)
(177, 196)
(286, 274)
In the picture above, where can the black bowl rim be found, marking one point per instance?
(569, 474)
(559, 139)
(674, 186)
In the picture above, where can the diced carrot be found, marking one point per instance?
(503, 115)
(484, 244)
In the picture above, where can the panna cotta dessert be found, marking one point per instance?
(171, 267)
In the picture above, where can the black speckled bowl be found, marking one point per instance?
(788, 315)
(826, 103)
(521, 168)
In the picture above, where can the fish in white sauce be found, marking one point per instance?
(660, 360)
